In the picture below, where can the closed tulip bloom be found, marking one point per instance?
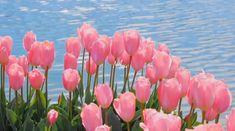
(117, 46)
(90, 35)
(143, 91)
(183, 77)
(125, 106)
(6, 42)
(81, 31)
(36, 79)
(163, 48)
(73, 46)
(92, 67)
(23, 61)
(131, 41)
(138, 60)
(210, 114)
(208, 127)
(175, 64)
(71, 79)
(151, 74)
(4, 56)
(103, 128)
(223, 97)
(12, 59)
(106, 40)
(28, 40)
(158, 121)
(16, 76)
(52, 117)
(124, 59)
(111, 59)
(231, 121)
(98, 52)
(47, 54)
(162, 64)
(169, 94)
(70, 61)
(104, 95)
(34, 53)
(149, 49)
(91, 116)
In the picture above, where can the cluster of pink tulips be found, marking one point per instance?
(150, 102)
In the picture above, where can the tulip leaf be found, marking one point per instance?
(11, 116)
(28, 125)
(114, 120)
(42, 98)
(42, 125)
(136, 126)
(88, 97)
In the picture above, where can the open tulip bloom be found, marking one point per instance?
(150, 100)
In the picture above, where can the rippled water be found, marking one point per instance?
(202, 32)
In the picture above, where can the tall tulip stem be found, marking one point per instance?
(111, 75)
(128, 126)
(22, 97)
(190, 117)
(127, 76)
(203, 116)
(70, 106)
(96, 78)
(88, 74)
(46, 74)
(114, 75)
(83, 56)
(27, 87)
(133, 80)
(179, 108)
(3, 84)
(16, 102)
(142, 108)
(103, 72)
(217, 118)
(106, 116)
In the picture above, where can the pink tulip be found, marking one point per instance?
(117, 46)
(149, 49)
(169, 94)
(4, 56)
(223, 97)
(34, 53)
(81, 31)
(16, 76)
(52, 117)
(28, 40)
(125, 106)
(111, 59)
(138, 60)
(202, 91)
(163, 48)
(92, 67)
(71, 79)
(151, 74)
(211, 114)
(104, 95)
(143, 91)
(23, 61)
(98, 52)
(36, 79)
(175, 64)
(12, 59)
(47, 55)
(91, 116)
(183, 77)
(208, 127)
(162, 64)
(124, 59)
(131, 41)
(106, 40)
(70, 61)
(90, 35)
(231, 121)
(158, 121)
(6, 42)
(73, 46)
(103, 128)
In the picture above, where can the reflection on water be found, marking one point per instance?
(202, 33)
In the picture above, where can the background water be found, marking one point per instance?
(201, 32)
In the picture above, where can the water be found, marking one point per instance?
(202, 32)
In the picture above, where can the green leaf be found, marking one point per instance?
(42, 98)
(136, 126)
(114, 120)
(42, 125)
(11, 116)
(88, 97)
(76, 120)
(28, 125)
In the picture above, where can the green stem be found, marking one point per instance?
(128, 126)
(133, 80)
(83, 56)
(127, 76)
(142, 108)
(46, 74)
(190, 116)
(96, 78)
(16, 102)
(217, 118)
(103, 72)
(88, 74)
(3, 85)
(111, 76)
(22, 97)
(27, 87)
(9, 94)
(179, 108)
(106, 117)
(70, 106)
(114, 75)
(49, 128)
(203, 116)
(38, 99)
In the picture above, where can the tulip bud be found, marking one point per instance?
(138, 60)
(70, 61)
(16, 76)
(71, 79)
(117, 46)
(28, 40)
(36, 79)
(111, 59)
(52, 117)
(81, 31)
(183, 77)
(163, 48)
(149, 49)
(98, 52)
(73, 46)
(34, 53)
(175, 64)
(47, 55)
(124, 59)
(103, 128)
(104, 95)
(211, 114)
(90, 35)
(23, 61)
(143, 91)
(131, 41)
(92, 67)
(151, 74)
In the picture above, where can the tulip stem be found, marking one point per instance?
(217, 118)
(46, 74)
(190, 115)
(70, 106)
(133, 80)
(111, 76)
(127, 76)
(203, 116)
(9, 94)
(103, 72)
(106, 117)
(179, 108)
(128, 126)
(3, 84)
(22, 97)
(27, 87)
(96, 78)
(38, 99)
(114, 75)
(16, 102)
(142, 108)
(83, 55)
(88, 74)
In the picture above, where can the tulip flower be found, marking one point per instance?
(183, 77)
(71, 79)
(117, 46)
(124, 59)
(163, 48)
(151, 74)
(208, 127)
(131, 41)
(70, 61)
(162, 64)
(138, 60)
(98, 52)
(149, 49)
(36, 79)
(52, 117)
(169, 94)
(103, 128)
(6, 42)
(104, 95)
(175, 64)
(47, 55)
(231, 121)
(34, 53)
(90, 35)
(92, 67)
(4, 56)
(111, 59)
(91, 116)
(158, 121)
(211, 114)
(28, 40)
(143, 91)
(81, 31)
(125, 107)
(23, 61)
(73, 46)
(16, 76)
